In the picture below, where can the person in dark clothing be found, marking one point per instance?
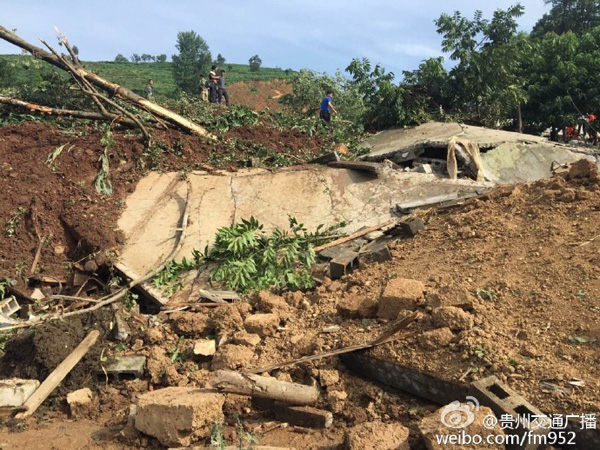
(222, 89)
(213, 85)
(327, 107)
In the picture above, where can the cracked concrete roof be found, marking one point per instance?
(314, 195)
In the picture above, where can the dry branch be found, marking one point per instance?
(112, 89)
(57, 375)
(389, 335)
(264, 387)
(88, 115)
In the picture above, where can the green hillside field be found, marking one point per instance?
(25, 70)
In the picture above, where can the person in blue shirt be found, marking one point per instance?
(327, 107)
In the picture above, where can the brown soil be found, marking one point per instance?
(60, 203)
(259, 95)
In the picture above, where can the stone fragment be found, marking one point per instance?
(400, 294)
(452, 317)
(435, 339)
(232, 357)
(244, 338)
(357, 307)
(81, 403)
(205, 347)
(262, 324)
(190, 324)
(177, 416)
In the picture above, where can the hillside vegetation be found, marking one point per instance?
(26, 71)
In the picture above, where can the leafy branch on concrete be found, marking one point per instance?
(246, 258)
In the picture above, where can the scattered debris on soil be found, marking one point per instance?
(504, 284)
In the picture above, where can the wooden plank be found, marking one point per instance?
(58, 374)
(353, 236)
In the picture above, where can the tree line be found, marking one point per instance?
(501, 77)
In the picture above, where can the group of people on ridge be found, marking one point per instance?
(214, 90)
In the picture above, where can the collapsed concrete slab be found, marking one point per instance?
(313, 195)
(404, 144)
(507, 157)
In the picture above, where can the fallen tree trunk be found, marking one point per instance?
(112, 88)
(89, 115)
(264, 387)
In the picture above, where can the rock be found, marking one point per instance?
(294, 298)
(262, 324)
(205, 347)
(336, 400)
(190, 324)
(454, 318)
(425, 168)
(90, 266)
(400, 294)
(530, 352)
(232, 357)
(432, 426)
(357, 307)
(377, 436)
(177, 416)
(583, 170)
(329, 377)
(129, 432)
(227, 319)
(435, 339)
(269, 302)
(244, 338)
(81, 403)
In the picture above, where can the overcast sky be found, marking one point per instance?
(323, 35)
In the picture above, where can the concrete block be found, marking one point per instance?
(377, 251)
(303, 416)
(125, 368)
(412, 227)
(177, 416)
(14, 391)
(205, 347)
(425, 168)
(491, 392)
(9, 306)
(343, 264)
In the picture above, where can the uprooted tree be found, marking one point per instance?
(92, 85)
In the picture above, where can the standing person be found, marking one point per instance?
(213, 84)
(203, 89)
(150, 90)
(223, 89)
(327, 107)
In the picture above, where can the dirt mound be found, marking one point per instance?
(259, 95)
(57, 201)
(35, 353)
